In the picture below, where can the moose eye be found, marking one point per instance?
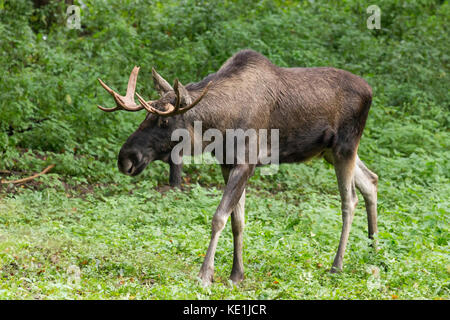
(163, 123)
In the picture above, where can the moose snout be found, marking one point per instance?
(129, 161)
(126, 166)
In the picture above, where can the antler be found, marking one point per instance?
(172, 110)
(124, 102)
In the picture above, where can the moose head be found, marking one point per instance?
(152, 140)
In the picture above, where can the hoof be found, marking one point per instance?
(335, 270)
(206, 277)
(237, 279)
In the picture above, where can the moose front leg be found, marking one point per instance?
(237, 180)
(175, 174)
(237, 226)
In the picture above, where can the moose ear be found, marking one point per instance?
(162, 86)
(183, 93)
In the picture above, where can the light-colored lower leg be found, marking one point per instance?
(234, 196)
(344, 171)
(238, 224)
(367, 183)
(207, 270)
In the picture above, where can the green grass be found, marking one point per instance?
(131, 241)
(85, 231)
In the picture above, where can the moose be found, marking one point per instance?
(319, 112)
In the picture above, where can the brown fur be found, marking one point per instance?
(318, 111)
(314, 108)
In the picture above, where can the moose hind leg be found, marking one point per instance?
(366, 182)
(344, 168)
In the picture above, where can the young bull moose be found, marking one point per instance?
(318, 112)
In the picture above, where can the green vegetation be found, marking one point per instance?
(85, 231)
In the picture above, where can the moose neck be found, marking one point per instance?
(196, 122)
(207, 112)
